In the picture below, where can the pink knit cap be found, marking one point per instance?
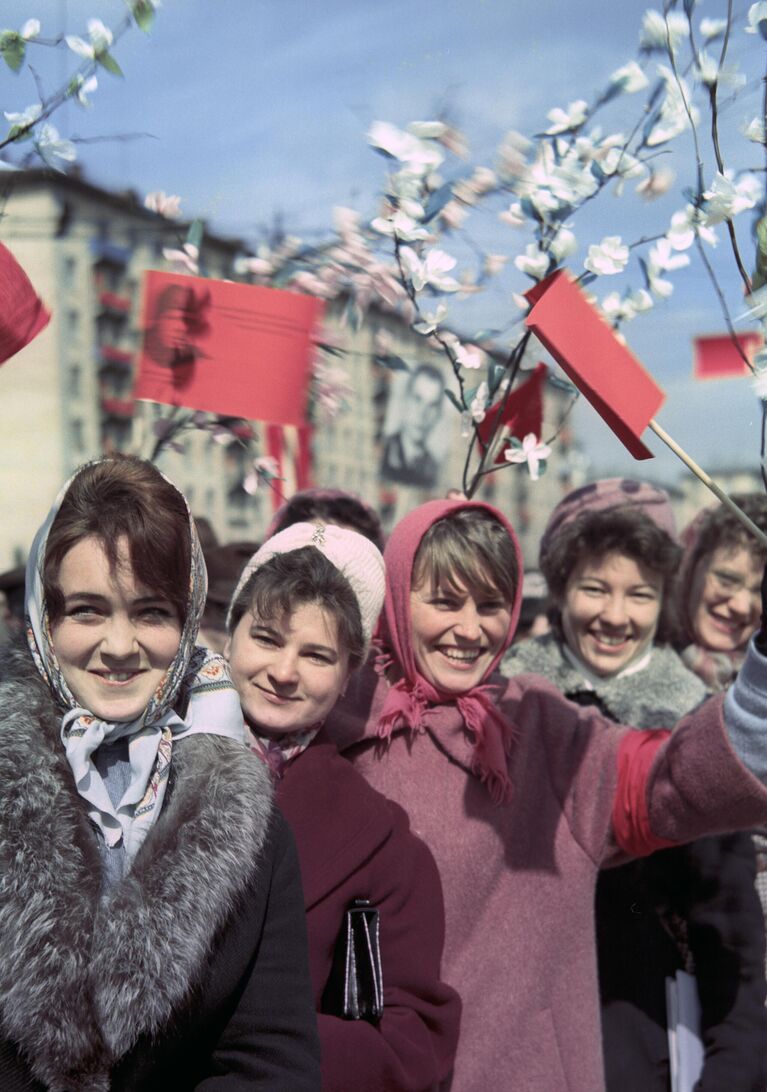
(355, 556)
(611, 493)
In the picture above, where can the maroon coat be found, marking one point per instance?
(353, 842)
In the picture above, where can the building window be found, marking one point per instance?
(73, 322)
(78, 438)
(75, 380)
(70, 270)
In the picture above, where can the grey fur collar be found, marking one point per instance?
(80, 979)
(655, 697)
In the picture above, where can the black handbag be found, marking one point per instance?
(354, 990)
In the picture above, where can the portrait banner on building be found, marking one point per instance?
(239, 350)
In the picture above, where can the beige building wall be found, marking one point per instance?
(67, 397)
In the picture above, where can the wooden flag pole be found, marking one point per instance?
(709, 482)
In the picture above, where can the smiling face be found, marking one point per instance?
(116, 638)
(610, 612)
(456, 635)
(289, 672)
(726, 599)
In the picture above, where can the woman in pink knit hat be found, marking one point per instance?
(300, 621)
(523, 796)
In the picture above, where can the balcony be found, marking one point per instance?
(110, 354)
(110, 253)
(121, 408)
(114, 303)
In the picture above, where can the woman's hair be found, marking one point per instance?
(330, 506)
(712, 529)
(718, 528)
(472, 547)
(291, 580)
(124, 496)
(595, 534)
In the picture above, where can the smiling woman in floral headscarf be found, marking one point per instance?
(140, 860)
(521, 796)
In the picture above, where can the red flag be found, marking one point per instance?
(291, 450)
(602, 368)
(522, 414)
(718, 357)
(22, 312)
(235, 349)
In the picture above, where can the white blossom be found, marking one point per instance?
(430, 271)
(26, 117)
(53, 149)
(421, 156)
(658, 181)
(535, 262)
(563, 245)
(608, 257)
(100, 40)
(657, 33)
(755, 130)
(401, 225)
(664, 258)
(84, 87)
(30, 29)
(530, 451)
(478, 408)
(630, 78)
(562, 121)
(167, 205)
(674, 118)
(430, 320)
(727, 198)
(757, 19)
(712, 28)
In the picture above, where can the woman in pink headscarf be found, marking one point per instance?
(522, 796)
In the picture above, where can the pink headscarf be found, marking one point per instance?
(412, 696)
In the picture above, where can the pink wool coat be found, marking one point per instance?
(519, 877)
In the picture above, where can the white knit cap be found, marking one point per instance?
(360, 561)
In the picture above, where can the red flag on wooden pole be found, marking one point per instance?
(585, 346)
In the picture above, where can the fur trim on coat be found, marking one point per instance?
(82, 978)
(655, 697)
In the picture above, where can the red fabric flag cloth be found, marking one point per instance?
(522, 413)
(717, 357)
(599, 364)
(22, 313)
(291, 450)
(235, 349)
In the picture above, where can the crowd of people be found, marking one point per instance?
(330, 822)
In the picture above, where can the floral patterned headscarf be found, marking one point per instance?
(197, 682)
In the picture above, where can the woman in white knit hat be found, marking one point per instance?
(300, 622)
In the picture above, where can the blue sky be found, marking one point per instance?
(249, 108)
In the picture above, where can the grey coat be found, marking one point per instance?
(193, 972)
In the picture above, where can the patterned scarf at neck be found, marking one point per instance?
(412, 701)
(197, 681)
(277, 753)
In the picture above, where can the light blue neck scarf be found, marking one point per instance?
(197, 682)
